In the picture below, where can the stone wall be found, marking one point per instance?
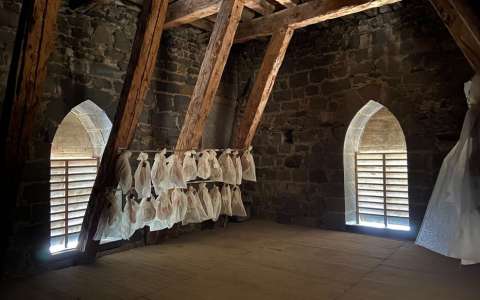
(401, 56)
(89, 63)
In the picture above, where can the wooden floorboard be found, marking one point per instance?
(261, 260)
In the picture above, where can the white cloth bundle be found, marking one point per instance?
(147, 211)
(228, 168)
(195, 212)
(248, 165)
(216, 169)
(142, 177)
(111, 214)
(164, 206)
(160, 173)
(204, 170)
(216, 197)
(179, 204)
(226, 200)
(206, 201)
(237, 204)
(238, 167)
(176, 172)
(131, 208)
(189, 166)
(123, 171)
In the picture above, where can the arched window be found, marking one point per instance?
(376, 170)
(76, 150)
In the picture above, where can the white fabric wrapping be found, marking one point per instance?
(248, 165)
(189, 166)
(195, 212)
(237, 204)
(216, 197)
(160, 173)
(176, 172)
(204, 170)
(143, 174)
(123, 171)
(238, 167)
(226, 200)
(451, 225)
(206, 201)
(147, 211)
(228, 168)
(216, 169)
(110, 216)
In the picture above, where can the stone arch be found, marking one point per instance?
(95, 124)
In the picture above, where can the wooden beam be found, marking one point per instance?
(262, 87)
(137, 80)
(288, 3)
(203, 24)
(187, 11)
(463, 25)
(34, 43)
(211, 71)
(262, 7)
(305, 14)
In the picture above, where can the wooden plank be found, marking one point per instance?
(463, 25)
(210, 74)
(287, 3)
(137, 81)
(262, 7)
(34, 43)
(305, 14)
(187, 11)
(262, 87)
(203, 24)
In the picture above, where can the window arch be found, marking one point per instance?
(76, 149)
(376, 170)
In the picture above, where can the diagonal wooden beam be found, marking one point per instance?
(187, 11)
(135, 87)
(34, 43)
(288, 3)
(262, 87)
(305, 14)
(262, 7)
(211, 71)
(463, 25)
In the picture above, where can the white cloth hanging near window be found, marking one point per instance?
(216, 197)
(451, 225)
(123, 171)
(238, 167)
(160, 173)
(216, 169)
(189, 166)
(226, 200)
(206, 201)
(143, 177)
(248, 165)
(237, 204)
(204, 170)
(228, 168)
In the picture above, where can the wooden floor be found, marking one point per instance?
(262, 260)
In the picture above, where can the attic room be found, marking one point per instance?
(243, 149)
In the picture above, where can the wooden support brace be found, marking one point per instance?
(463, 25)
(312, 12)
(137, 81)
(34, 43)
(262, 87)
(210, 74)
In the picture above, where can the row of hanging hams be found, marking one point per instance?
(176, 170)
(185, 206)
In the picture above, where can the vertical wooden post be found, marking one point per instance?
(210, 74)
(262, 87)
(33, 45)
(137, 81)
